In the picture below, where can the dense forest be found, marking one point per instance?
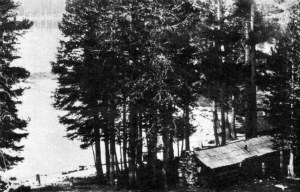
(128, 67)
(130, 73)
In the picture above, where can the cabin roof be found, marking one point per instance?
(236, 152)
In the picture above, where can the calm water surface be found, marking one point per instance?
(46, 150)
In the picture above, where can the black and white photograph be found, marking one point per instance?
(149, 95)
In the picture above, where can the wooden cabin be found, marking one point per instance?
(235, 161)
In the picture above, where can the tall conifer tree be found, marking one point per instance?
(12, 128)
(284, 89)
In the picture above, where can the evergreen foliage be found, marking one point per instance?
(126, 69)
(13, 128)
(284, 88)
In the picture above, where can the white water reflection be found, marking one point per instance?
(46, 150)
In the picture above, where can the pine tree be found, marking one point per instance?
(139, 62)
(77, 66)
(12, 128)
(183, 56)
(219, 53)
(256, 30)
(284, 89)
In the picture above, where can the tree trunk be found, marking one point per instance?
(171, 167)
(152, 136)
(248, 116)
(166, 140)
(167, 122)
(139, 149)
(98, 162)
(139, 158)
(182, 145)
(253, 77)
(223, 127)
(124, 134)
(222, 90)
(178, 148)
(112, 116)
(112, 157)
(107, 156)
(215, 119)
(187, 126)
(281, 162)
(233, 128)
(171, 148)
(148, 129)
(117, 167)
(132, 147)
(251, 111)
(121, 158)
(227, 125)
(291, 171)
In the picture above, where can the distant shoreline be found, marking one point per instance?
(41, 17)
(44, 21)
(42, 75)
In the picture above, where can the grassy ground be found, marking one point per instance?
(267, 185)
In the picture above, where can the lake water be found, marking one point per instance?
(46, 150)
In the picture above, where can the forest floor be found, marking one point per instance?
(268, 185)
